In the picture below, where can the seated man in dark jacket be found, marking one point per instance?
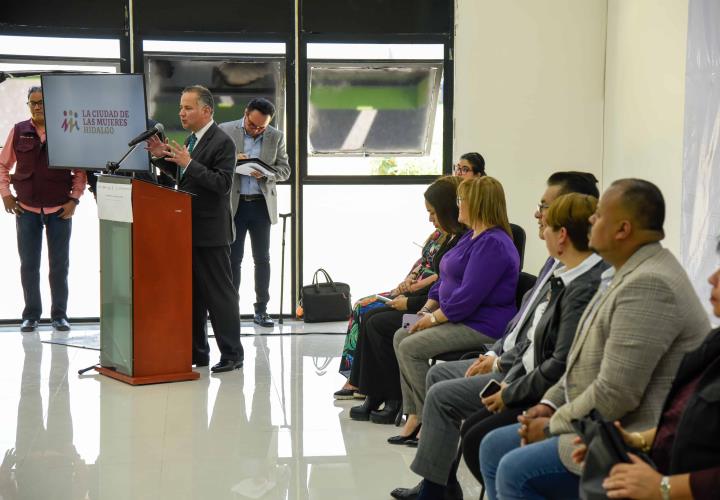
(528, 369)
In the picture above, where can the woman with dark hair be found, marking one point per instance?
(376, 372)
(470, 165)
(422, 275)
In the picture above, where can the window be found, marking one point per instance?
(379, 113)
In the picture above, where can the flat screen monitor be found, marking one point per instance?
(90, 118)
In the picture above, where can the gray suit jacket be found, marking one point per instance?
(623, 361)
(273, 153)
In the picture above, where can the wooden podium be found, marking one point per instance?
(145, 282)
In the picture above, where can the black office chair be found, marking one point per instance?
(519, 238)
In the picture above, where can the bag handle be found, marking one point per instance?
(328, 279)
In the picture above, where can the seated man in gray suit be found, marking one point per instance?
(627, 349)
(254, 197)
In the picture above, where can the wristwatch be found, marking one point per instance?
(546, 431)
(433, 319)
(665, 488)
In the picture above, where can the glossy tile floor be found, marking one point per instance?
(269, 431)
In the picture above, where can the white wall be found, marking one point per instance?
(529, 89)
(644, 98)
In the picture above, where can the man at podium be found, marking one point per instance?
(204, 167)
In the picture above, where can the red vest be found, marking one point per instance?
(35, 184)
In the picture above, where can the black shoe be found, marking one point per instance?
(362, 412)
(61, 325)
(227, 365)
(406, 493)
(388, 415)
(412, 443)
(201, 363)
(344, 394)
(453, 491)
(29, 325)
(263, 319)
(400, 439)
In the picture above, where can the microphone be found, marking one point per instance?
(157, 129)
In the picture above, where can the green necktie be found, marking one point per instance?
(191, 145)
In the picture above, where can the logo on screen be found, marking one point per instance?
(70, 121)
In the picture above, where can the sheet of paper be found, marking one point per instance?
(114, 201)
(248, 168)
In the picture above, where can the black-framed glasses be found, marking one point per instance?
(542, 206)
(252, 126)
(35, 104)
(461, 169)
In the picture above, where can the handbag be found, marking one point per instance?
(329, 301)
(605, 448)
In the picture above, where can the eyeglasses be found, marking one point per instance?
(461, 170)
(252, 126)
(458, 200)
(35, 104)
(542, 206)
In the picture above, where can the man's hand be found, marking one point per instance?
(532, 423)
(494, 403)
(156, 147)
(68, 209)
(177, 154)
(481, 365)
(256, 174)
(399, 303)
(242, 156)
(11, 205)
(533, 430)
(579, 453)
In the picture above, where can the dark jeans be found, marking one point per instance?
(30, 228)
(252, 216)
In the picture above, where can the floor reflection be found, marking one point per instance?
(269, 431)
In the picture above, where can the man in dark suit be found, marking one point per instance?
(204, 167)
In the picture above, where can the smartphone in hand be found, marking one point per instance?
(490, 388)
(409, 320)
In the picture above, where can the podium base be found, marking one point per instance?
(150, 379)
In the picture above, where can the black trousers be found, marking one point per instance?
(214, 293)
(378, 374)
(252, 217)
(475, 428)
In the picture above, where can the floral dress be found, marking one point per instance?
(422, 269)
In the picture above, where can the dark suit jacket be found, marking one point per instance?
(209, 178)
(554, 335)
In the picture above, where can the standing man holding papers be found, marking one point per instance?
(46, 200)
(254, 197)
(204, 167)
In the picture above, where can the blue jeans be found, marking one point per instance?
(30, 228)
(531, 472)
(252, 217)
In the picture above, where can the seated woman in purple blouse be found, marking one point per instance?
(471, 302)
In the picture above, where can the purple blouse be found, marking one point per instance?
(477, 283)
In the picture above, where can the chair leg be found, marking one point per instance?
(482, 492)
(399, 417)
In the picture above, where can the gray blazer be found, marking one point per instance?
(623, 361)
(273, 153)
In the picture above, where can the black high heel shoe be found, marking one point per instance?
(388, 415)
(400, 439)
(362, 412)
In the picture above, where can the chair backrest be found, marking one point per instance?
(525, 282)
(518, 236)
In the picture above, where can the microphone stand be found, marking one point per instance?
(284, 217)
(111, 167)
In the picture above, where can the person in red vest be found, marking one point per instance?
(44, 199)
